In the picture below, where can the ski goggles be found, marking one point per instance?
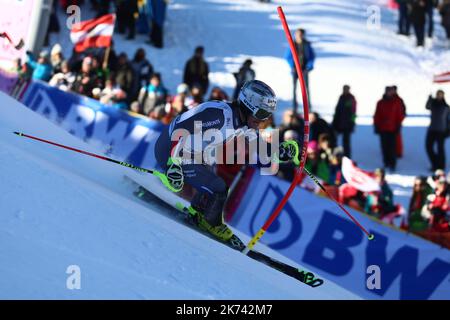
(262, 114)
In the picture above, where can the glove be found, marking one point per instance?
(289, 151)
(309, 66)
(174, 175)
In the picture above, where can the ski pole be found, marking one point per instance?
(370, 236)
(156, 173)
(299, 170)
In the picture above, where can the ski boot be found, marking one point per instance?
(222, 232)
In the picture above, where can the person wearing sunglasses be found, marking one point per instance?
(183, 149)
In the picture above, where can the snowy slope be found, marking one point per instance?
(59, 208)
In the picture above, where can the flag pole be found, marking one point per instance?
(106, 57)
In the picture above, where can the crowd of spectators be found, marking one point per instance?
(430, 203)
(420, 15)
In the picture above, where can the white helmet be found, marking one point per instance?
(258, 98)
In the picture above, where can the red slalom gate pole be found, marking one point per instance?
(298, 171)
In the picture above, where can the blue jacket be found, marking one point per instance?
(40, 71)
(309, 57)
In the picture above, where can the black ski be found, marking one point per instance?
(235, 243)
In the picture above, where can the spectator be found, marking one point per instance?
(432, 181)
(306, 57)
(85, 79)
(418, 14)
(286, 170)
(119, 99)
(56, 58)
(319, 126)
(437, 207)
(430, 5)
(126, 11)
(152, 96)
(438, 129)
(399, 139)
(184, 93)
(312, 157)
(53, 23)
(336, 177)
(42, 69)
(63, 80)
(107, 94)
(101, 7)
(421, 190)
(196, 71)
(174, 108)
(100, 73)
(142, 71)
(246, 73)
(387, 120)
(23, 71)
(158, 10)
(218, 94)
(291, 121)
(381, 202)
(124, 74)
(344, 118)
(444, 10)
(404, 23)
(324, 154)
(196, 95)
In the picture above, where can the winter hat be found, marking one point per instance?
(439, 173)
(96, 92)
(338, 151)
(56, 49)
(290, 135)
(182, 88)
(312, 145)
(43, 54)
(87, 60)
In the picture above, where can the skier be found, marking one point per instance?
(255, 104)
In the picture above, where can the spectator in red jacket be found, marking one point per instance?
(439, 206)
(387, 122)
(399, 146)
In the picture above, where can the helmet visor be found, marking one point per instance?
(262, 114)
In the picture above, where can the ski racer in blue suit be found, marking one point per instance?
(184, 160)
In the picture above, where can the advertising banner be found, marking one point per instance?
(115, 132)
(314, 232)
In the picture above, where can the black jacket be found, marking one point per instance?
(440, 114)
(345, 113)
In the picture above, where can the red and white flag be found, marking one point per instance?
(93, 33)
(441, 78)
(357, 178)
